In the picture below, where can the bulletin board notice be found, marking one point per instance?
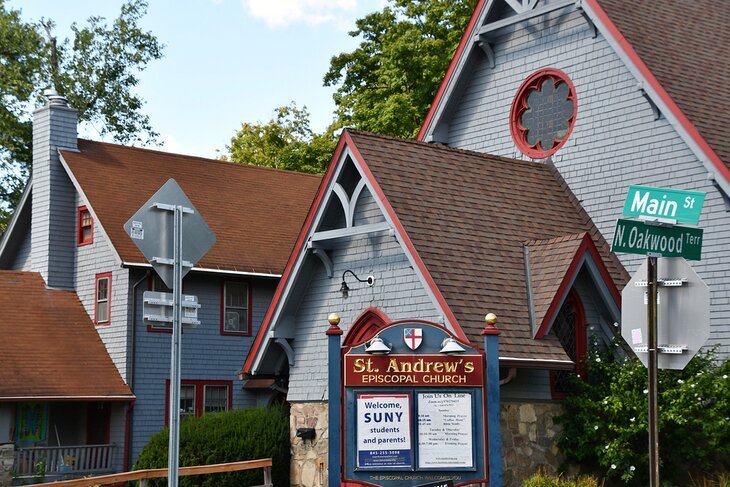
(445, 430)
(384, 431)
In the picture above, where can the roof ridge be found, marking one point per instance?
(443, 147)
(203, 159)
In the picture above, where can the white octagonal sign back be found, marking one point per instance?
(683, 313)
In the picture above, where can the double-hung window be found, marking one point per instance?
(102, 298)
(85, 229)
(236, 308)
(199, 397)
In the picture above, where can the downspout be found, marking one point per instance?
(130, 378)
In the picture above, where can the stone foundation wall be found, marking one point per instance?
(309, 457)
(6, 465)
(529, 436)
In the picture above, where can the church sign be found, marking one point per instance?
(414, 408)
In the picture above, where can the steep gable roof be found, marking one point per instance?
(465, 217)
(468, 215)
(50, 348)
(676, 49)
(255, 212)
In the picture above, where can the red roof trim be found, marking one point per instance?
(248, 365)
(586, 246)
(654, 82)
(452, 67)
(406, 240)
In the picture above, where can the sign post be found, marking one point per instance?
(165, 253)
(656, 236)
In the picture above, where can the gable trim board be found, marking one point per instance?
(345, 149)
(129, 398)
(646, 80)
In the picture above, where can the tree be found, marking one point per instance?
(388, 83)
(96, 72)
(285, 142)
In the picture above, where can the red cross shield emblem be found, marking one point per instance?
(413, 337)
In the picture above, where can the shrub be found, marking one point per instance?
(605, 423)
(542, 479)
(245, 434)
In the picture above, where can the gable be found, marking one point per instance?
(506, 47)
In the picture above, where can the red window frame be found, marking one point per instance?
(199, 394)
(249, 314)
(519, 105)
(83, 222)
(99, 277)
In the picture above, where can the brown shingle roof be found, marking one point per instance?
(49, 346)
(684, 44)
(256, 213)
(549, 263)
(468, 215)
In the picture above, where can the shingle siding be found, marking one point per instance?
(21, 260)
(206, 354)
(52, 225)
(616, 141)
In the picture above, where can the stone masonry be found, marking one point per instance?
(529, 436)
(309, 457)
(6, 465)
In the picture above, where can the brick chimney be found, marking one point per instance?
(53, 222)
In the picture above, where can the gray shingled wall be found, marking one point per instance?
(616, 141)
(53, 231)
(397, 292)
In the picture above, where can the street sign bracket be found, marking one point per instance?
(669, 349)
(664, 282)
(165, 261)
(657, 221)
(167, 207)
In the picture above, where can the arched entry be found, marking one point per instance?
(365, 326)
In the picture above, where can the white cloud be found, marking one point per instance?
(283, 13)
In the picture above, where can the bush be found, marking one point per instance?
(245, 434)
(605, 423)
(542, 479)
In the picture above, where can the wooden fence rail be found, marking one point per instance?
(144, 475)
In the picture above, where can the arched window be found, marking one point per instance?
(570, 329)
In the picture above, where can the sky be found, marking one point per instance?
(226, 62)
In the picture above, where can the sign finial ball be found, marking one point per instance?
(490, 319)
(334, 319)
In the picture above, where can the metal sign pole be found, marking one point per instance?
(174, 444)
(653, 370)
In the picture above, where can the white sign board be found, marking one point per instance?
(445, 430)
(384, 431)
(683, 313)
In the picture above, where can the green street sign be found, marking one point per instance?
(672, 204)
(637, 237)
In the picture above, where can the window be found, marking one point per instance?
(236, 308)
(543, 113)
(570, 329)
(187, 401)
(85, 227)
(199, 397)
(216, 399)
(102, 298)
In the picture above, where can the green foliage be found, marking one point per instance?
(388, 83)
(96, 71)
(606, 422)
(285, 142)
(542, 479)
(245, 434)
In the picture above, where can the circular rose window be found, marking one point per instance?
(543, 113)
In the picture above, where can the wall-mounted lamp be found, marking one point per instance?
(450, 346)
(377, 346)
(345, 289)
